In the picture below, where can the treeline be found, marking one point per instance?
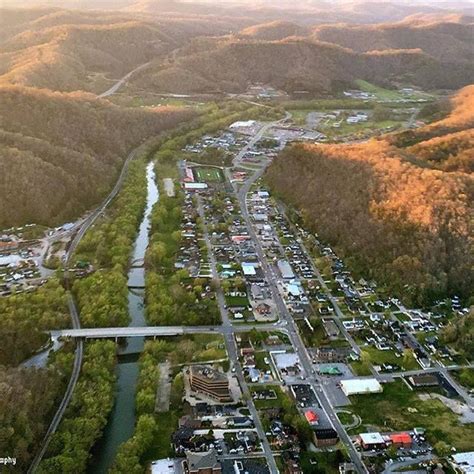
(151, 439)
(72, 144)
(102, 296)
(26, 317)
(129, 457)
(405, 226)
(459, 334)
(86, 416)
(446, 144)
(28, 398)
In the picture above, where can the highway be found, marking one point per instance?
(76, 324)
(122, 81)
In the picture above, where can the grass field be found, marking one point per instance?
(380, 92)
(212, 175)
(399, 408)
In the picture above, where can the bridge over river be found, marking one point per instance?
(159, 331)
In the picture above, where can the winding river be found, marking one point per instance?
(121, 422)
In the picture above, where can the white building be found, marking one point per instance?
(360, 386)
(164, 466)
(464, 462)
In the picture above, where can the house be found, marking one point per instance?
(164, 466)
(332, 354)
(464, 462)
(202, 463)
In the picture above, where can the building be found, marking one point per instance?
(206, 380)
(202, 463)
(285, 270)
(164, 466)
(332, 354)
(325, 437)
(360, 386)
(464, 462)
(424, 380)
(311, 417)
(401, 440)
(195, 186)
(372, 441)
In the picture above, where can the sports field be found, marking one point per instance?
(207, 174)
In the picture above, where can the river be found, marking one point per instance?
(121, 422)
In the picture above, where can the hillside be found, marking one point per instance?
(73, 50)
(447, 41)
(229, 64)
(406, 226)
(275, 30)
(60, 153)
(447, 144)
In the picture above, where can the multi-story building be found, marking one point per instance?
(210, 382)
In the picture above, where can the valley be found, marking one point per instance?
(236, 239)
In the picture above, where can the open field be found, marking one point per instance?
(399, 408)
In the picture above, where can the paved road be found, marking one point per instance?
(122, 81)
(84, 227)
(238, 158)
(293, 333)
(398, 465)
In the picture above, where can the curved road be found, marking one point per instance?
(122, 81)
(86, 224)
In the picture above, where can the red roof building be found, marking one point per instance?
(311, 417)
(401, 439)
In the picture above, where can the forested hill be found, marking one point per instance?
(408, 226)
(447, 144)
(292, 64)
(61, 153)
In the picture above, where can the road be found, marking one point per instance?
(122, 81)
(238, 158)
(228, 330)
(76, 324)
(159, 331)
(293, 333)
(398, 465)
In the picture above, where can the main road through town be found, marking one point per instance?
(293, 333)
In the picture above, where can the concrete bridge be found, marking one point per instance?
(158, 331)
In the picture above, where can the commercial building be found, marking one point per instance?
(206, 380)
(325, 437)
(464, 462)
(164, 466)
(372, 441)
(311, 417)
(360, 386)
(285, 270)
(401, 440)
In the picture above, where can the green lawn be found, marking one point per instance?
(380, 92)
(237, 301)
(273, 403)
(377, 357)
(208, 174)
(399, 408)
(326, 461)
(464, 377)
